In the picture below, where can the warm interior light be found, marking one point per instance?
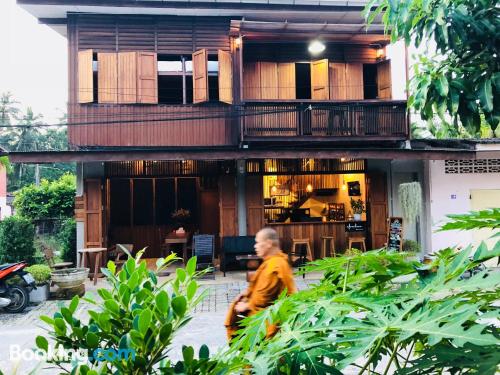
(274, 189)
(237, 42)
(380, 53)
(342, 159)
(316, 47)
(309, 188)
(344, 186)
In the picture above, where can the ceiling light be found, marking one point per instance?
(309, 188)
(316, 47)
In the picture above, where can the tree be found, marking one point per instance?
(462, 80)
(8, 113)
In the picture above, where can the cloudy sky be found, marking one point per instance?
(33, 62)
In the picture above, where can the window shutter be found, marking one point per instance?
(127, 77)
(200, 76)
(147, 78)
(85, 81)
(93, 213)
(286, 81)
(269, 80)
(225, 77)
(354, 79)
(384, 90)
(337, 81)
(107, 78)
(251, 80)
(319, 80)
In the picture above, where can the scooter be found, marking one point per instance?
(15, 287)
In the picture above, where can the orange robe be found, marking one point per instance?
(272, 277)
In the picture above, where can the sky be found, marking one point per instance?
(33, 62)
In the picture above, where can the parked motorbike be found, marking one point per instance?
(15, 287)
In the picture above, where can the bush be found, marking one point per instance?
(40, 272)
(16, 240)
(67, 240)
(411, 246)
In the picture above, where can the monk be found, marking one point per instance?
(272, 277)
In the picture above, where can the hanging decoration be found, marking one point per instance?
(410, 199)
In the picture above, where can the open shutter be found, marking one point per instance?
(377, 208)
(319, 80)
(107, 77)
(147, 78)
(354, 79)
(337, 81)
(384, 80)
(127, 77)
(286, 81)
(85, 74)
(228, 206)
(200, 76)
(269, 80)
(93, 213)
(225, 77)
(251, 80)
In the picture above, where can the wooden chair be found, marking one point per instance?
(49, 257)
(116, 253)
(359, 240)
(297, 252)
(331, 248)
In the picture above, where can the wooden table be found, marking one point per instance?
(84, 259)
(173, 239)
(252, 262)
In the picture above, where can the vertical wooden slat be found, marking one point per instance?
(269, 80)
(251, 81)
(286, 81)
(107, 77)
(225, 77)
(85, 81)
(319, 80)
(127, 77)
(147, 78)
(384, 90)
(200, 76)
(228, 208)
(93, 213)
(337, 81)
(255, 204)
(354, 79)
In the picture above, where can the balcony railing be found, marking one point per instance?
(370, 119)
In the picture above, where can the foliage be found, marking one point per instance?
(40, 272)
(16, 240)
(477, 219)
(358, 206)
(410, 199)
(54, 199)
(410, 246)
(463, 80)
(139, 313)
(421, 319)
(67, 240)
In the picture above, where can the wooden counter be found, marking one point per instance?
(314, 231)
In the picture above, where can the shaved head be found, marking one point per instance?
(271, 235)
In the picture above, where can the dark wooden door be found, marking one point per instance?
(377, 208)
(255, 204)
(93, 213)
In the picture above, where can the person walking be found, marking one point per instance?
(272, 277)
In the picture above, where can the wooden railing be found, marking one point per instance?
(371, 119)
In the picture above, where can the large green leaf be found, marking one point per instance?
(485, 95)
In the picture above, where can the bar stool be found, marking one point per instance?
(360, 240)
(302, 241)
(331, 250)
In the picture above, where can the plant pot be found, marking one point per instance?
(40, 294)
(69, 277)
(357, 217)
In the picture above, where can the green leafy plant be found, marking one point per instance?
(380, 313)
(410, 199)
(137, 313)
(358, 206)
(40, 272)
(16, 240)
(410, 246)
(67, 240)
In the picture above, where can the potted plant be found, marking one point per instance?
(41, 274)
(181, 217)
(358, 207)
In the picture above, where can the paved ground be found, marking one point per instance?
(206, 326)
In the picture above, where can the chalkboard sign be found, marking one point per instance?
(355, 226)
(395, 234)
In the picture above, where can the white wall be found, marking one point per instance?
(5, 210)
(450, 194)
(396, 53)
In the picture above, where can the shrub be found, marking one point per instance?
(40, 272)
(67, 240)
(16, 240)
(411, 246)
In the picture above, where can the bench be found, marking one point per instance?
(232, 246)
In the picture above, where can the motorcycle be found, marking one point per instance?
(15, 287)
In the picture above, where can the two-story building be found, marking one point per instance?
(246, 113)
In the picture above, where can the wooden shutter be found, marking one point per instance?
(354, 79)
(200, 76)
(269, 80)
(85, 77)
(93, 213)
(225, 77)
(107, 77)
(251, 80)
(147, 78)
(286, 81)
(127, 77)
(255, 204)
(228, 209)
(337, 81)
(384, 90)
(319, 80)
(377, 209)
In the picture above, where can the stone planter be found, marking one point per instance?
(69, 277)
(40, 294)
